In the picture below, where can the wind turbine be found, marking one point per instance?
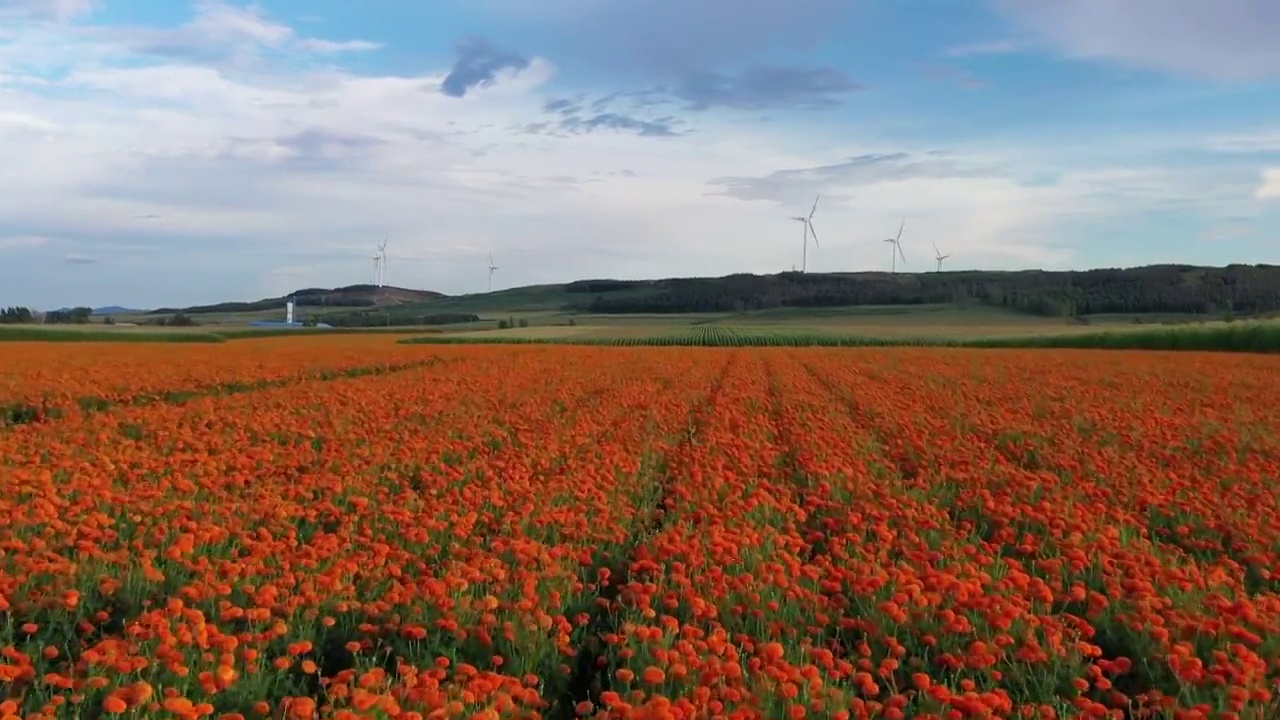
(939, 256)
(896, 242)
(380, 262)
(808, 230)
(492, 269)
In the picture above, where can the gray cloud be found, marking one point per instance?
(757, 88)
(77, 259)
(577, 116)
(478, 64)
(754, 88)
(782, 185)
(701, 52)
(311, 149)
(319, 149)
(175, 46)
(1224, 40)
(559, 106)
(948, 74)
(613, 121)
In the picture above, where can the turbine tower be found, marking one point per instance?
(896, 242)
(492, 268)
(380, 263)
(808, 231)
(939, 256)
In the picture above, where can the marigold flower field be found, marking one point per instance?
(343, 527)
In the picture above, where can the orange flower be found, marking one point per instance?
(653, 675)
(792, 531)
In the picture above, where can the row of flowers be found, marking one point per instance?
(657, 533)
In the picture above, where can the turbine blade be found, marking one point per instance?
(900, 226)
(899, 246)
(813, 232)
(815, 206)
(936, 251)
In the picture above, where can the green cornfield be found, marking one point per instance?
(1256, 337)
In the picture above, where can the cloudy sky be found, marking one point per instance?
(159, 153)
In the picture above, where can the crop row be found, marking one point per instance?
(45, 378)
(566, 532)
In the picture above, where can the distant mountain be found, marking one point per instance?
(105, 310)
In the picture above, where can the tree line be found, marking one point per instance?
(17, 315)
(1232, 290)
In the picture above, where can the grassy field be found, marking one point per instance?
(954, 325)
(910, 324)
(1241, 336)
(201, 334)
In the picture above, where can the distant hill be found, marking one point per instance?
(1231, 290)
(115, 310)
(1235, 289)
(351, 296)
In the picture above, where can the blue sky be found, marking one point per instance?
(173, 153)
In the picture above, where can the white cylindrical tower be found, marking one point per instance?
(288, 312)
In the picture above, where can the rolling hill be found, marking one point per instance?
(351, 296)
(115, 310)
(1237, 290)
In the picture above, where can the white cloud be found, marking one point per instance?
(57, 10)
(1223, 39)
(1270, 188)
(1265, 141)
(253, 176)
(331, 46)
(23, 121)
(20, 242)
(988, 47)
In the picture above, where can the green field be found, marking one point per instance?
(1242, 336)
(97, 332)
(897, 323)
(547, 314)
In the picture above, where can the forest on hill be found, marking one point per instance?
(1233, 290)
(351, 296)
